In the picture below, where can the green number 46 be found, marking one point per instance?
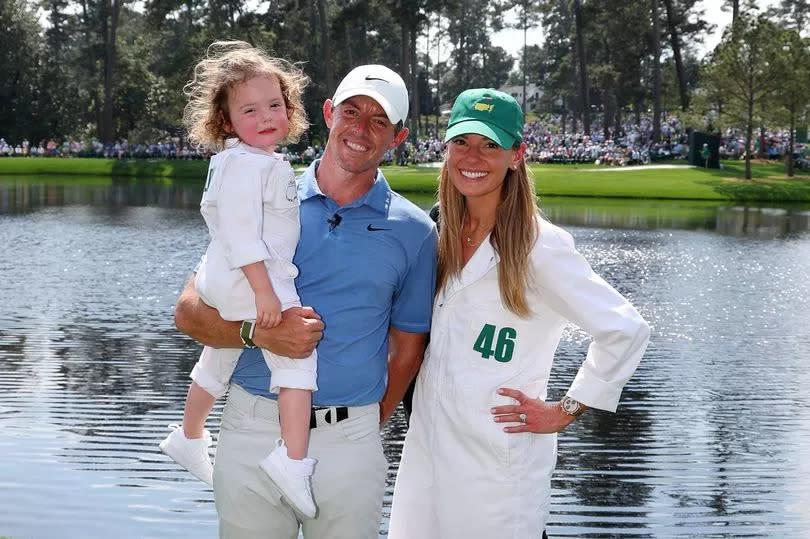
(504, 344)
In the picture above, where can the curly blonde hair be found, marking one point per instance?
(226, 64)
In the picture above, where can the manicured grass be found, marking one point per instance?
(80, 166)
(672, 183)
(769, 183)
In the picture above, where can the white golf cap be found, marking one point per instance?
(379, 83)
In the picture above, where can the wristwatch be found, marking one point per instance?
(571, 406)
(247, 333)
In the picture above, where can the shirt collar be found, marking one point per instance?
(377, 198)
(234, 142)
(483, 259)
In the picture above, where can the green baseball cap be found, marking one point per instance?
(486, 112)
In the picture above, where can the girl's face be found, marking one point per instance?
(258, 112)
(477, 165)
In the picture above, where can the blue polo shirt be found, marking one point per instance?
(374, 269)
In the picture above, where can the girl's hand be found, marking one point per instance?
(268, 310)
(531, 415)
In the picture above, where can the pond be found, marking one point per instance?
(712, 438)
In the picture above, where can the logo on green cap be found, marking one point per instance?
(489, 113)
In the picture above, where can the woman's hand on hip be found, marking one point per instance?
(530, 415)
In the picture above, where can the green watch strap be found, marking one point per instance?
(247, 333)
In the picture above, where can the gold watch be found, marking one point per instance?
(572, 406)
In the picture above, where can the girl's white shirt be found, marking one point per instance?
(250, 205)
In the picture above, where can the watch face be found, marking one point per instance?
(570, 406)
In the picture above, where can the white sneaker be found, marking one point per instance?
(292, 477)
(190, 453)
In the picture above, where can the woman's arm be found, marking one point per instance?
(569, 286)
(566, 283)
(300, 329)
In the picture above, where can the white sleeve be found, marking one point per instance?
(240, 209)
(569, 286)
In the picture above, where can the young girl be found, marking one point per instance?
(245, 103)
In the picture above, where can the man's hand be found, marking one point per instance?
(296, 336)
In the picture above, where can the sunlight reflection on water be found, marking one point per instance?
(711, 439)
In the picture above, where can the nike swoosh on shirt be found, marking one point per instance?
(371, 228)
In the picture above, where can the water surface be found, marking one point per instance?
(712, 438)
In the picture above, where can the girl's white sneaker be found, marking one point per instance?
(292, 477)
(190, 453)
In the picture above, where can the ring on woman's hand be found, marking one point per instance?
(522, 418)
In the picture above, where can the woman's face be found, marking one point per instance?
(477, 165)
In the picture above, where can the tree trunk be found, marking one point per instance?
(676, 53)
(111, 10)
(749, 134)
(525, 29)
(763, 153)
(735, 10)
(656, 133)
(790, 144)
(414, 84)
(438, 74)
(583, 68)
(325, 48)
(575, 115)
(347, 33)
(619, 131)
(607, 101)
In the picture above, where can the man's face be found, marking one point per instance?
(360, 133)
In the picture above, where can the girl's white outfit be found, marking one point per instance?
(250, 204)
(460, 474)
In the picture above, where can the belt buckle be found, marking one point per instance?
(333, 415)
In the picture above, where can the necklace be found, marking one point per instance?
(471, 243)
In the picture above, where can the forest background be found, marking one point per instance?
(114, 69)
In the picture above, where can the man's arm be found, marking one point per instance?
(300, 329)
(405, 352)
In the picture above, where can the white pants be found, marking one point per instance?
(213, 370)
(348, 483)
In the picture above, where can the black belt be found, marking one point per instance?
(341, 413)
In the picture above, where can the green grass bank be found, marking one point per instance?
(769, 183)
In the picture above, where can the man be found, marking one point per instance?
(367, 266)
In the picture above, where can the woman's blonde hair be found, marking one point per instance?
(226, 64)
(514, 234)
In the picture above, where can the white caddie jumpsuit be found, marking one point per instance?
(460, 475)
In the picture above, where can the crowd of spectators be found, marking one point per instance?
(629, 144)
(169, 149)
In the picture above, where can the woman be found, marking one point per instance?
(481, 448)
